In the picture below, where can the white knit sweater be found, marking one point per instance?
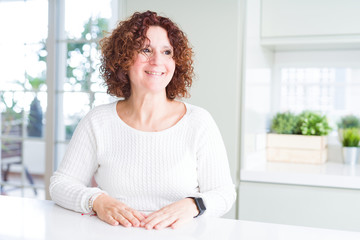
(145, 170)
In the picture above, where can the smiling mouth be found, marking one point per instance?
(154, 73)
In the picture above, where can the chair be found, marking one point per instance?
(11, 154)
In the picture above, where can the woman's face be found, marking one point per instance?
(154, 66)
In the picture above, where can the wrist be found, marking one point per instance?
(93, 200)
(199, 203)
(194, 209)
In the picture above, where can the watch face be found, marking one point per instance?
(200, 204)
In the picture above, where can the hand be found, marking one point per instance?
(115, 212)
(174, 215)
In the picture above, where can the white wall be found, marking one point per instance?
(257, 68)
(213, 28)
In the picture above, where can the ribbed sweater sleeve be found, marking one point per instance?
(69, 185)
(215, 183)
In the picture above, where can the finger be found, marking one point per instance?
(165, 223)
(138, 215)
(155, 214)
(149, 218)
(110, 220)
(157, 219)
(130, 218)
(180, 222)
(122, 220)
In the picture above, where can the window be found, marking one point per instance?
(79, 85)
(324, 81)
(23, 96)
(328, 90)
(308, 88)
(25, 88)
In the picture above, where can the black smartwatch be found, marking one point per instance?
(199, 204)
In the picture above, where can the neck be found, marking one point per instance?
(147, 108)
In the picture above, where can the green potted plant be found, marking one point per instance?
(312, 124)
(350, 143)
(284, 123)
(298, 138)
(348, 121)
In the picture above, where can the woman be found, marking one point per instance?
(149, 153)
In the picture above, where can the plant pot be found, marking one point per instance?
(351, 155)
(296, 148)
(35, 119)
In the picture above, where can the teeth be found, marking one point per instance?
(154, 73)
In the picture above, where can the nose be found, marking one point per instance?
(156, 58)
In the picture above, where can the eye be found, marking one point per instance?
(168, 52)
(145, 50)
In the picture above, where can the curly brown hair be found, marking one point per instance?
(118, 53)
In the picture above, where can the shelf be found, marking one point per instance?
(330, 174)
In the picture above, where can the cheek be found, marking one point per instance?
(139, 60)
(171, 66)
(137, 65)
(142, 58)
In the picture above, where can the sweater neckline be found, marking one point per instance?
(173, 127)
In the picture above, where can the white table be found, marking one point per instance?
(22, 218)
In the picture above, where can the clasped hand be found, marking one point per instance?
(115, 212)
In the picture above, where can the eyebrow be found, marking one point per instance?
(164, 46)
(167, 46)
